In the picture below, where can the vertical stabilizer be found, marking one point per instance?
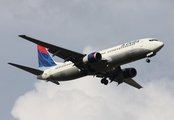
(44, 58)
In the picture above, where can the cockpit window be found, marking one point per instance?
(153, 40)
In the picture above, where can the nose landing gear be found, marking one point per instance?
(151, 54)
(148, 60)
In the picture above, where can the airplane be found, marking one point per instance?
(105, 64)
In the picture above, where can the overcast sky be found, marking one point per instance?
(85, 26)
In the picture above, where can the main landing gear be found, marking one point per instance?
(104, 81)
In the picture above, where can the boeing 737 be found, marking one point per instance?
(105, 64)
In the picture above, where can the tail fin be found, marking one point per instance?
(44, 58)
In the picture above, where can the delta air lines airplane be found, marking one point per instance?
(104, 64)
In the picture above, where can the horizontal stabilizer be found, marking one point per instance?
(132, 83)
(56, 82)
(28, 69)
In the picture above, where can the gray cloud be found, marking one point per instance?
(81, 100)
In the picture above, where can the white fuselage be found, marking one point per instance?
(114, 56)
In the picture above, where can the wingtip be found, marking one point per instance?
(9, 63)
(140, 87)
(21, 35)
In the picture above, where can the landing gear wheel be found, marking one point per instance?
(104, 81)
(148, 60)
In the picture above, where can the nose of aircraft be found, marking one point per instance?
(159, 45)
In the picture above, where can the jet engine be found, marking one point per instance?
(92, 57)
(129, 73)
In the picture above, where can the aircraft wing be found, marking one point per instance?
(132, 83)
(116, 72)
(63, 53)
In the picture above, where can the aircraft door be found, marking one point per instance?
(141, 43)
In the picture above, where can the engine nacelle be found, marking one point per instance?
(92, 58)
(129, 73)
